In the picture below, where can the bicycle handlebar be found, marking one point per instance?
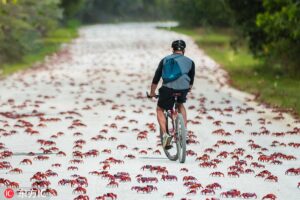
(148, 96)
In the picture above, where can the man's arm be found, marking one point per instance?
(191, 74)
(156, 78)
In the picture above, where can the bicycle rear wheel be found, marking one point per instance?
(172, 153)
(181, 135)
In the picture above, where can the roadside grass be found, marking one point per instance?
(246, 72)
(50, 45)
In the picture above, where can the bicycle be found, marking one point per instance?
(176, 129)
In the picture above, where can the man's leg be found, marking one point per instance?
(162, 123)
(161, 119)
(182, 110)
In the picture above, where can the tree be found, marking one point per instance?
(125, 10)
(272, 29)
(201, 12)
(244, 14)
(23, 24)
(281, 24)
(71, 7)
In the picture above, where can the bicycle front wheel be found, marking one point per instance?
(181, 141)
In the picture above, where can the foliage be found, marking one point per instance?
(23, 24)
(201, 12)
(244, 14)
(272, 29)
(51, 44)
(281, 24)
(71, 7)
(121, 10)
(247, 72)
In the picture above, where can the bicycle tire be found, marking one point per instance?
(181, 134)
(168, 154)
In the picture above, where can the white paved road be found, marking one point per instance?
(92, 95)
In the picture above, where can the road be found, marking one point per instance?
(75, 111)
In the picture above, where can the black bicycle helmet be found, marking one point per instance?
(178, 45)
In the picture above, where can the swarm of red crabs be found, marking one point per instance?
(105, 141)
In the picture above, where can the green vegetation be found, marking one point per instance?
(246, 72)
(272, 30)
(259, 43)
(201, 12)
(50, 45)
(30, 30)
(96, 11)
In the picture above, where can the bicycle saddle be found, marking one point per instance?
(176, 94)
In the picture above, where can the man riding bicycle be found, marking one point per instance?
(180, 84)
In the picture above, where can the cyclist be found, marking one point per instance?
(183, 84)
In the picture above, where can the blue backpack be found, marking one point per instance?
(171, 70)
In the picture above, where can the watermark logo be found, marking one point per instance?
(9, 193)
(23, 193)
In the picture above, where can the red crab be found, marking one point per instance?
(184, 170)
(142, 137)
(191, 192)
(208, 164)
(107, 196)
(169, 195)
(147, 179)
(40, 184)
(16, 171)
(189, 178)
(147, 189)
(169, 178)
(249, 171)
(231, 193)
(207, 191)
(191, 153)
(49, 192)
(233, 174)
(129, 156)
(209, 150)
(79, 190)
(293, 171)
(157, 152)
(26, 162)
(143, 152)
(214, 186)
(122, 146)
(195, 186)
(11, 184)
(41, 158)
(238, 131)
(82, 197)
(72, 168)
(113, 184)
(77, 134)
(112, 139)
(218, 123)
(272, 178)
(204, 157)
(270, 196)
(249, 195)
(108, 151)
(219, 174)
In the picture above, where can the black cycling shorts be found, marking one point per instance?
(166, 99)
